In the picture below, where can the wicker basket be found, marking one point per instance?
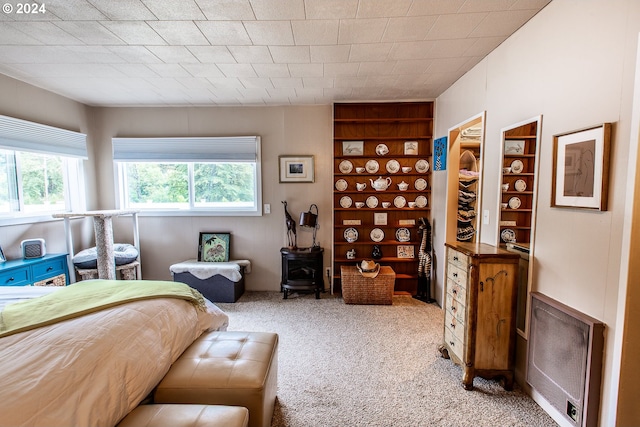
(59, 280)
(366, 290)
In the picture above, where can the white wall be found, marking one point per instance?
(574, 64)
(284, 130)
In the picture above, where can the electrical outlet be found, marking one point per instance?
(267, 208)
(485, 217)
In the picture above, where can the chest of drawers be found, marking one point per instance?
(25, 272)
(479, 311)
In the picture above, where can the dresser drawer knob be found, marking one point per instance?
(455, 291)
(455, 274)
(453, 308)
(452, 344)
(50, 268)
(11, 279)
(455, 258)
(453, 325)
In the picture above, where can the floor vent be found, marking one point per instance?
(564, 361)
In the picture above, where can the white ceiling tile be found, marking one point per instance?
(173, 54)
(174, 10)
(135, 70)
(129, 10)
(29, 54)
(278, 9)
(455, 26)
(251, 54)
(370, 52)
(212, 54)
(257, 82)
(224, 82)
(89, 54)
(269, 32)
(271, 70)
(444, 65)
(383, 8)
(411, 50)
(486, 5)
(348, 82)
(35, 33)
(290, 54)
(502, 23)
(317, 82)
(415, 66)
(90, 32)
(483, 46)
(179, 32)
(315, 32)
(224, 32)
(169, 70)
(434, 7)
(286, 82)
(134, 54)
(530, 4)
(226, 10)
(204, 70)
(361, 30)
(383, 69)
(324, 54)
(237, 70)
(450, 48)
(74, 10)
(134, 32)
(331, 9)
(408, 28)
(341, 69)
(253, 92)
(306, 70)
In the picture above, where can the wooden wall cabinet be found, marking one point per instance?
(480, 308)
(377, 143)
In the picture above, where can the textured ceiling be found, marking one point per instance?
(252, 52)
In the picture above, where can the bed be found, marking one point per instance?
(92, 370)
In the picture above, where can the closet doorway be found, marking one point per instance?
(464, 180)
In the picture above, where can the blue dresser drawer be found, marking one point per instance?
(49, 268)
(15, 277)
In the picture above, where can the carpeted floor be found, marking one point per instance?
(370, 365)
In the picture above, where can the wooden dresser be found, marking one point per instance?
(480, 311)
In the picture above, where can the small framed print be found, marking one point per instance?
(296, 169)
(514, 146)
(407, 222)
(406, 251)
(214, 247)
(352, 148)
(351, 222)
(411, 148)
(380, 218)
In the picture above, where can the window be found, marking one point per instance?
(209, 176)
(40, 170)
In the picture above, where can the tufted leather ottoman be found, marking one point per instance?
(226, 368)
(186, 416)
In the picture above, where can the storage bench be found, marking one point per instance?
(357, 289)
(216, 281)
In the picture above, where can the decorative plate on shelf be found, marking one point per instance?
(508, 235)
(382, 150)
(403, 234)
(399, 202)
(345, 166)
(422, 166)
(520, 185)
(341, 185)
(372, 201)
(346, 202)
(420, 184)
(393, 166)
(377, 235)
(350, 234)
(421, 201)
(517, 166)
(372, 166)
(514, 202)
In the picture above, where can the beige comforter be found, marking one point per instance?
(94, 369)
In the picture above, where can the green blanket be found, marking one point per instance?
(87, 297)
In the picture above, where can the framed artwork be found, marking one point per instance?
(296, 169)
(352, 148)
(440, 154)
(214, 247)
(405, 251)
(581, 168)
(411, 148)
(514, 146)
(2, 257)
(380, 218)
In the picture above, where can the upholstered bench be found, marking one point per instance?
(226, 368)
(186, 416)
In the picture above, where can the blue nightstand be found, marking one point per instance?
(49, 270)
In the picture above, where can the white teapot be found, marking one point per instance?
(403, 186)
(381, 183)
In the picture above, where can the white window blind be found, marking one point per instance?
(22, 135)
(188, 149)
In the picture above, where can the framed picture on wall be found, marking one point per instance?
(296, 169)
(214, 247)
(581, 168)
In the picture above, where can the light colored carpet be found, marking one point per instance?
(370, 365)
